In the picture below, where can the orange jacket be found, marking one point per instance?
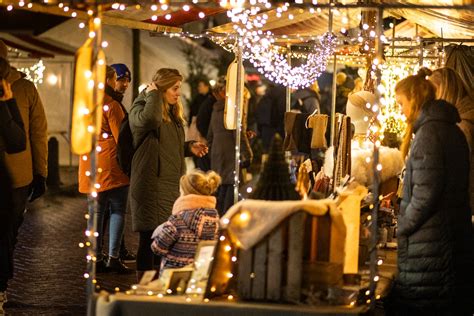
(109, 175)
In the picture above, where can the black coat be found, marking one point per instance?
(203, 118)
(12, 140)
(434, 226)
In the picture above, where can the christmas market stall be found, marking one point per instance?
(310, 238)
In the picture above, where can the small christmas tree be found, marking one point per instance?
(274, 183)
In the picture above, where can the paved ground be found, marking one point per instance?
(49, 263)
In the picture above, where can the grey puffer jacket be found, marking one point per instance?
(435, 259)
(157, 164)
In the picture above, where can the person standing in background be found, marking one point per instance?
(28, 168)
(12, 140)
(204, 92)
(124, 77)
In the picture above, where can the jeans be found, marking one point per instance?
(8, 236)
(115, 202)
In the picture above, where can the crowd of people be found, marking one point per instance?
(173, 209)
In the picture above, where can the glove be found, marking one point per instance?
(37, 187)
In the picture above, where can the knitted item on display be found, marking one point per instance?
(319, 125)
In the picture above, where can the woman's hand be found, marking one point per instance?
(152, 86)
(7, 91)
(199, 149)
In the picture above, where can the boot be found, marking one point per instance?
(116, 265)
(139, 275)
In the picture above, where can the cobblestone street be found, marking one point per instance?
(49, 263)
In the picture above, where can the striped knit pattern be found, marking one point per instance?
(176, 240)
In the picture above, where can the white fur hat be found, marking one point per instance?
(357, 110)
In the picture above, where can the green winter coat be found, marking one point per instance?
(157, 165)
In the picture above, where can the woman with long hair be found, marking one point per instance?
(434, 234)
(451, 88)
(157, 124)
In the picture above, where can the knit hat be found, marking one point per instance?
(200, 183)
(122, 71)
(357, 110)
(3, 50)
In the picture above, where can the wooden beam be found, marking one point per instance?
(82, 15)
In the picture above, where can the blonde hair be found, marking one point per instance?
(199, 182)
(164, 79)
(418, 90)
(449, 85)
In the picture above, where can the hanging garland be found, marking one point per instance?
(270, 59)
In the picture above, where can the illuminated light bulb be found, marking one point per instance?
(30, 5)
(105, 135)
(369, 218)
(88, 173)
(377, 297)
(82, 25)
(21, 3)
(186, 7)
(90, 12)
(367, 293)
(117, 289)
(290, 16)
(311, 10)
(90, 84)
(84, 158)
(9, 7)
(89, 257)
(122, 7)
(376, 278)
(365, 26)
(101, 85)
(352, 303)
(366, 47)
(367, 160)
(154, 18)
(99, 170)
(87, 233)
(94, 194)
(74, 14)
(379, 262)
(160, 295)
(377, 143)
(168, 16)
(226, 221)
(86, 216)
(169, 291)
(249, 190)
(88, 244)
(222, 238)
(105, 108)
(86, 275)
(343, 30)
(105, 44)
(345, 20)
(234, 258)
(229, 275)
(66, 9)
(227, 248)
(61, 5)
(230, 297)
(81, 245)
(188, 299)
(149, 293)
(98, 148)
(368, 301)
(244, 216)
(154, 7)
(97, 186)
(366, 119)
(115, 6)
(91, 34)
(52, 79)
(90, 129)
(164, 7)
(201, 15)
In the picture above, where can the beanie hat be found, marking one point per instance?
(3, 50)
(122, 71)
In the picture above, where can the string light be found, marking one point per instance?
(34, 73)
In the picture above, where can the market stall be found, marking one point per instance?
(303, 257)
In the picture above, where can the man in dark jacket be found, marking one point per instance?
(270, 115)
(434, 226)
(12, 140)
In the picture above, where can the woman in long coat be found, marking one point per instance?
(434, 226)
(157, 124)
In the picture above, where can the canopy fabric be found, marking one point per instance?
(460, 58)
(29, 46)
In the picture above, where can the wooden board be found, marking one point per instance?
(260, 270)
(295, 257)
(244, 285)
(275, 258)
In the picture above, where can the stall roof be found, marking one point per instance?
(24, 45)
